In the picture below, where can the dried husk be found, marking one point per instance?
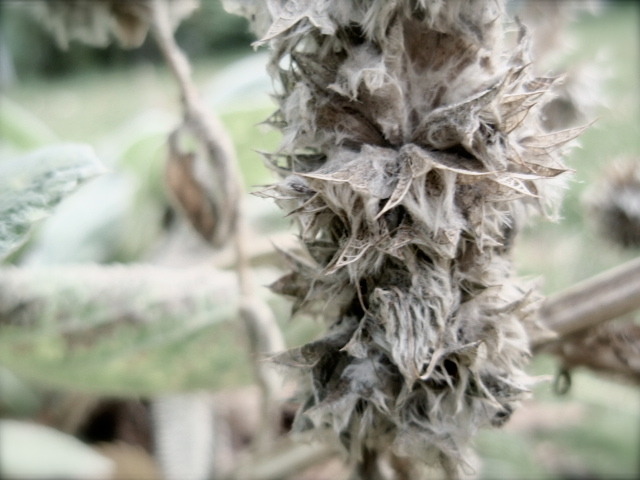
(96, 22)
(412, 153)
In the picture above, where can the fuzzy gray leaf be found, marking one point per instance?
(130, 330)
(31, 186)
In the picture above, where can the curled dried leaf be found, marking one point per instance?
(199, 188)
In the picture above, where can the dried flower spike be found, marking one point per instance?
(412, 151)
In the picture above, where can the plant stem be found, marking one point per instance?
(263, 332)
(604, 297)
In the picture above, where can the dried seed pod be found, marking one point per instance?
(412, 151)
(614, 203)
(94, 22)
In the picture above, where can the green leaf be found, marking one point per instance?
(31, 186)
(17, 397)
(58, 455)
(123, 329)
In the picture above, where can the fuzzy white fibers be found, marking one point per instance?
(412, 152)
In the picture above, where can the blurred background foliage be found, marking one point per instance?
(124, 104)
(34, 54)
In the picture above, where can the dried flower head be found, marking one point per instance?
(412, 152)
(614, 203)
(95, 22)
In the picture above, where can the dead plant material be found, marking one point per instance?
(612, 349)
(131, 462)
(412, 152)
(580, 94)
(197, 186)
(606, 296)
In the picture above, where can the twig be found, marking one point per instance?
(202, 122)
(285, 457)
(604, 297)
(263, 332)
(612, 349)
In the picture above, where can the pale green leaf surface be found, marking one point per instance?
(21, 128)
(17, 397)
(31, 186)
(122, 330)
(36, 452)
(89, 226)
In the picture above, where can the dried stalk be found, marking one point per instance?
(612, 349)
(285, 457)
(579, 317)
(604, 297)
(262, 330)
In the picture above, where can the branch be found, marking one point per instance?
(579, 317)
(262, 330)
(589, 303)
(285, 457)
(225, 184)
(612, 349)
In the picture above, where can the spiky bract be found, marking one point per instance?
(411, 153)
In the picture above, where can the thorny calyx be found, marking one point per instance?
(412, 151)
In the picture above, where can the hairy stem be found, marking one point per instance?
(262, 330)
(604, 297)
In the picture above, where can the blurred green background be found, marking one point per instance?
(124, 103)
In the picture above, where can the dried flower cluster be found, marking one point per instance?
(614, 203)
(95, 21)
(411, 153)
